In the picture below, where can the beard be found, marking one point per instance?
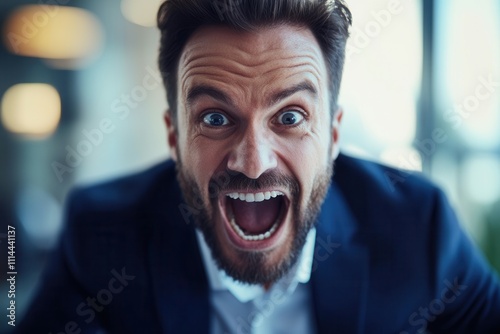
(253, 267)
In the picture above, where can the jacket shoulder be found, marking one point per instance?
(386, 179)
(108, 225)
(376, 193)
(120, 212)
(123, 193)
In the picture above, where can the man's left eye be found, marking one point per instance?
(215, 119)
(290, 117)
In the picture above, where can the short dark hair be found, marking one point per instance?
(329, 21)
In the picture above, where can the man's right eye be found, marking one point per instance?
(215, 119)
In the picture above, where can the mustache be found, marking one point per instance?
(232, 181)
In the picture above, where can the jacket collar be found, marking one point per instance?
(179, 281)
(340, 269)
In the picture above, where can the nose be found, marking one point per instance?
(253, 154)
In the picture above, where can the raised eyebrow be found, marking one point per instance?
(200, 90)
(281, 95)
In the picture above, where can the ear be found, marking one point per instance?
(171, 134)
(337, 119)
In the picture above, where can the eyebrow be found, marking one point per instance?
(303, 86)
(200, 90)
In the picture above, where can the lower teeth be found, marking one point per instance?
(261, 236)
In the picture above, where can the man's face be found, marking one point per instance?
(254, 143)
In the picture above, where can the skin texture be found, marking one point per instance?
(252, 82)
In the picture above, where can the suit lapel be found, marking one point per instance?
(340, 269)
(180, 285)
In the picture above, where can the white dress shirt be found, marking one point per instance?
(244, 308)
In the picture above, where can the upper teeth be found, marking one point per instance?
(255, 197)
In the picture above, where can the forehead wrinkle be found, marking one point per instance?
(219, 76)
(214, 63)
(213, 66)
(215, 72)
(219, 83)
(198, 54)
(307, 68)
(243, 56)
(251, 71)
(256, 62)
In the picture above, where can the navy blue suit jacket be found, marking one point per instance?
(390, 257)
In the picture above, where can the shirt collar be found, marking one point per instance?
(219, 280)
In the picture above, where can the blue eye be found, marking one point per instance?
(215, 119)
(290, 117)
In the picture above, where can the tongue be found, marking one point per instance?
(257, 217)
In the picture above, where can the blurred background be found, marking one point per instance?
(82, 101)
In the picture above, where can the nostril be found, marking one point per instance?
(252, 156)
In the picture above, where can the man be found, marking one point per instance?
(246, 230)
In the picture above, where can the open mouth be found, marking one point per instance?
(254, 217)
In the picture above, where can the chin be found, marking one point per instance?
(261, 257)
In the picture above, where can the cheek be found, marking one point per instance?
(306, 157)
(203, 158)
(306, 153)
